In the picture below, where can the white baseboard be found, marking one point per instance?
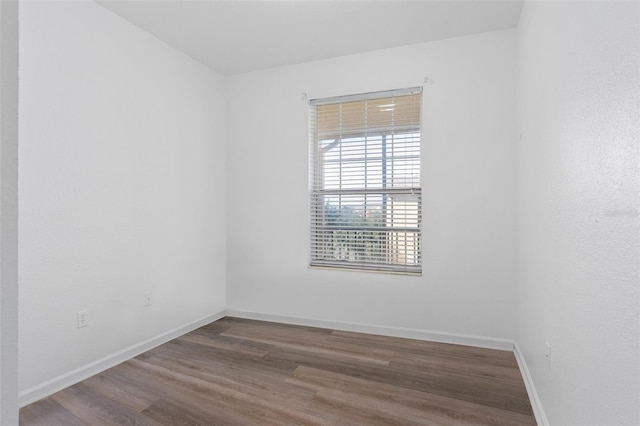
(58, 383)
(409, 333)
(536, 405)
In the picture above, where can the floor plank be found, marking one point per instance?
(48, 412)
(404, 406)
(245, 372)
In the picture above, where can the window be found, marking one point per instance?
(365, 193)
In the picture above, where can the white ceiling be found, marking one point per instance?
(239, 36)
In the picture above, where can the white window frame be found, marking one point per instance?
(386, 241)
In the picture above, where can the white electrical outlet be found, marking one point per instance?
(82, 319)
(547, 354)
(147, 298)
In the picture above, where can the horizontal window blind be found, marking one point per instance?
(365, 192)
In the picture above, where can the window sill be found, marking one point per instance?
(375, 270)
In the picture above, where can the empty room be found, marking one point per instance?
(320, 212)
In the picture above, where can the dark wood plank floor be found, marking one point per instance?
(244, 372)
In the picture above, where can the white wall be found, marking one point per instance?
(578, 203)
(9, 212)
(122, 187)
(467, 284)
